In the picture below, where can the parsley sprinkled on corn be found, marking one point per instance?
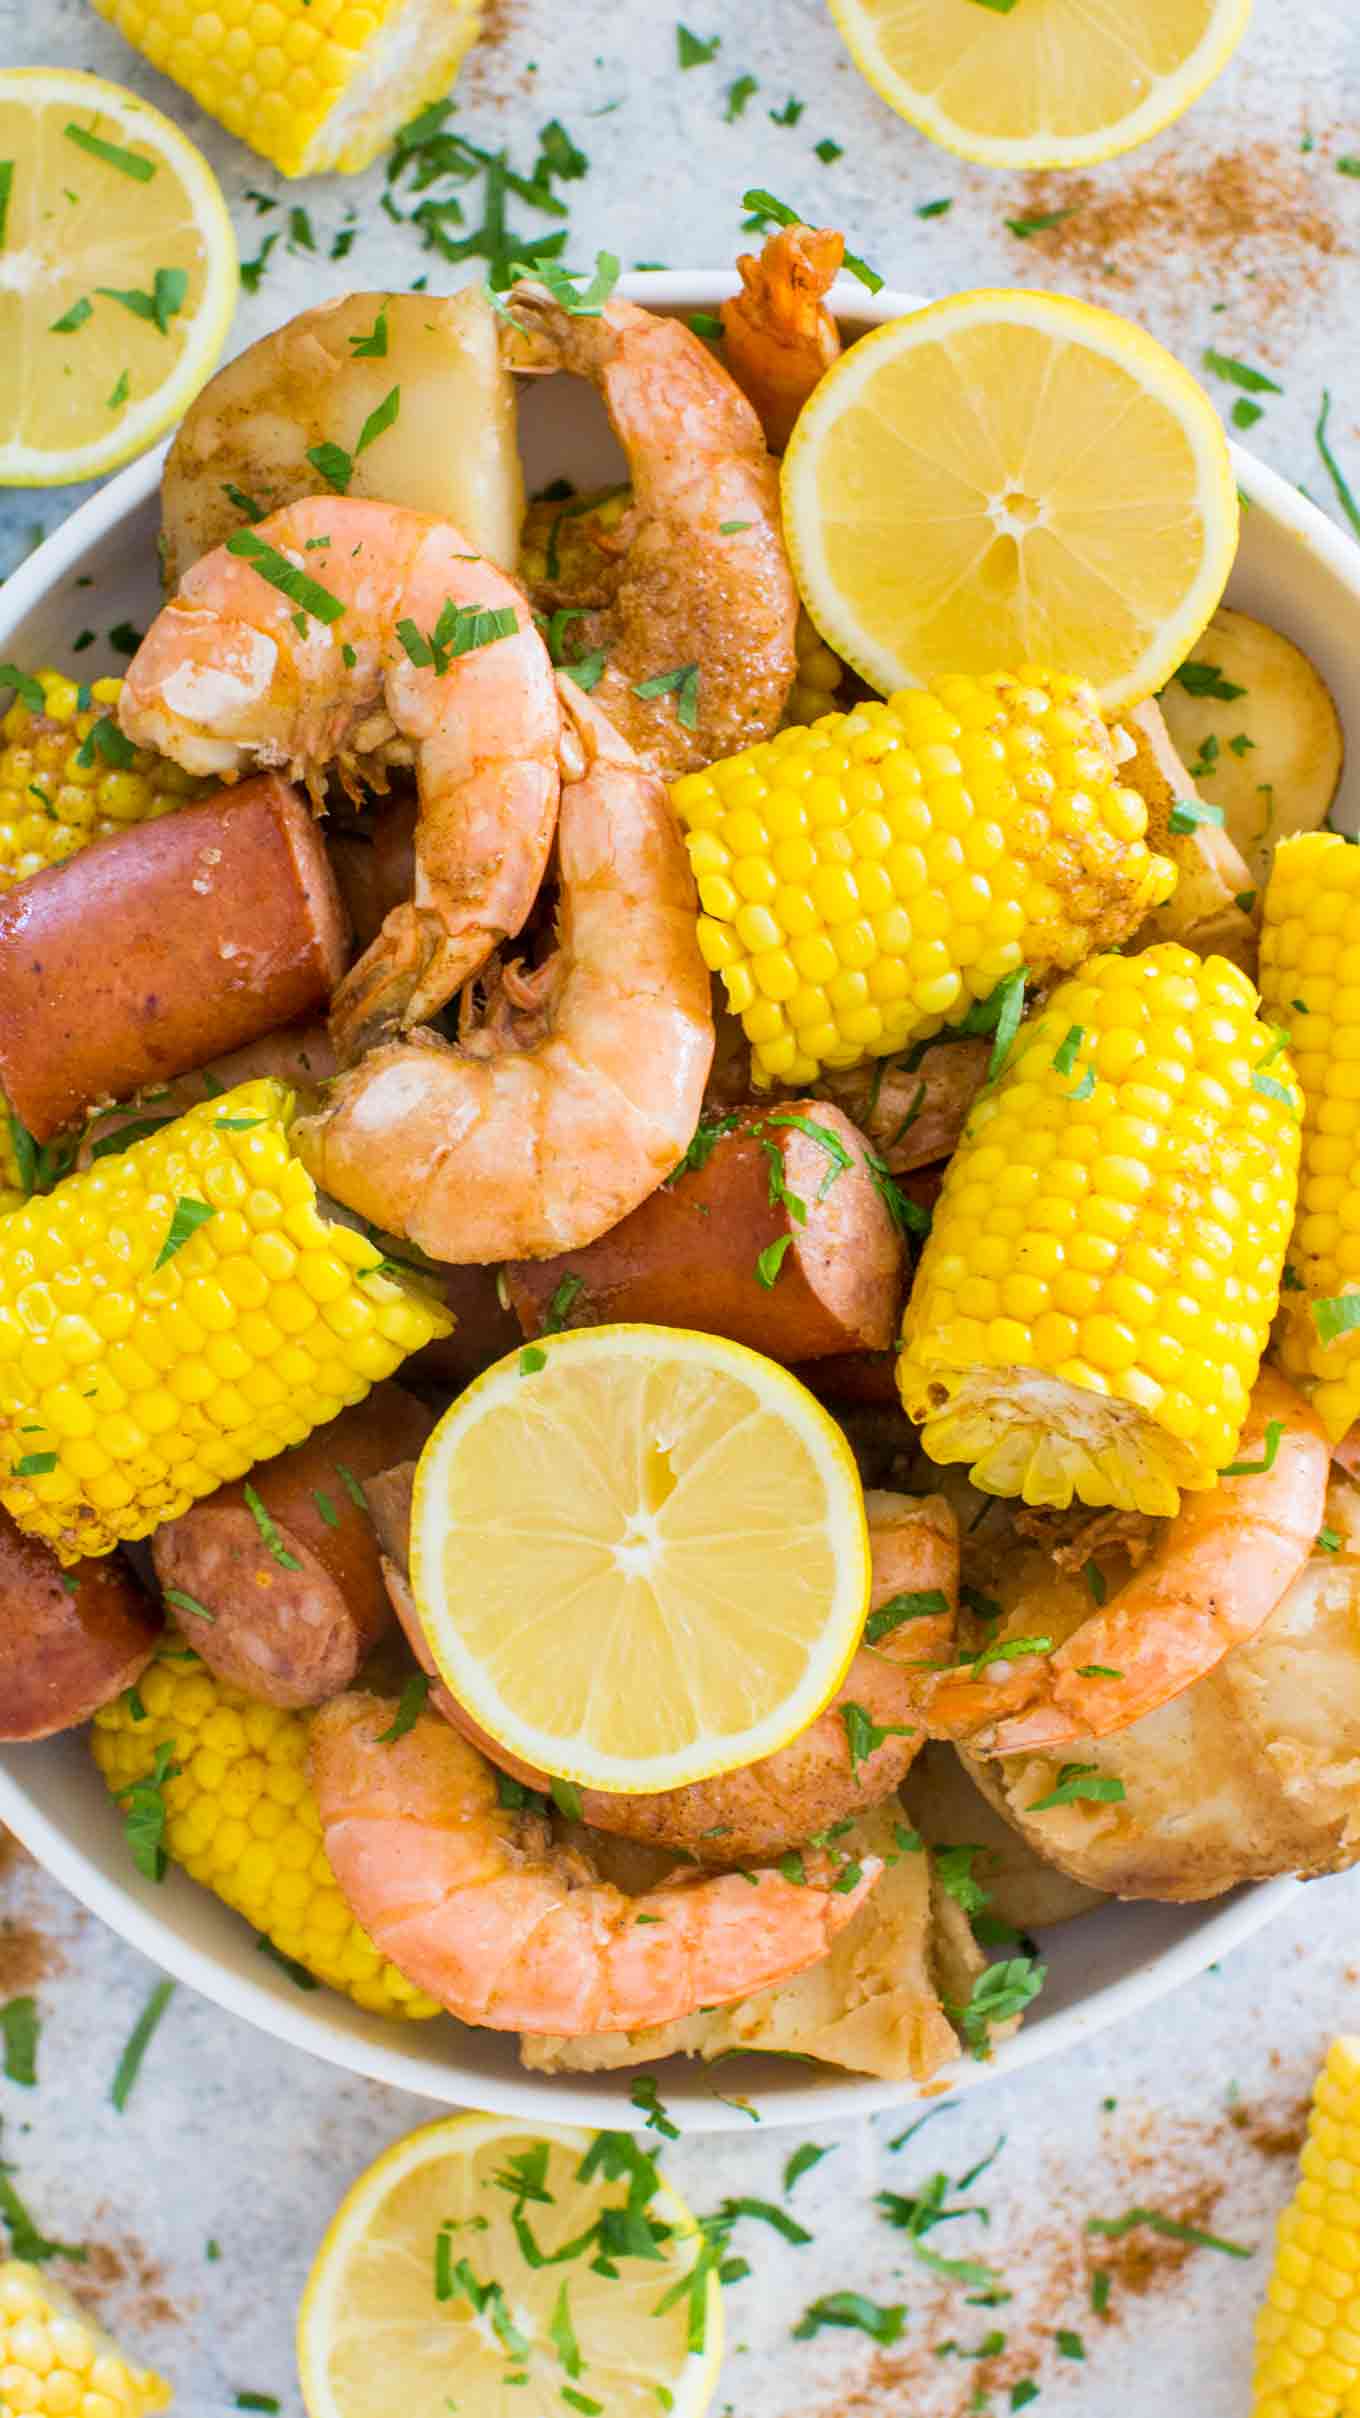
(864, 881)
(59, 789)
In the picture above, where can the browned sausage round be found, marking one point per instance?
(291, 1583)
(155, 951)
(375, 865)
(780, 1239)
(69, 1640)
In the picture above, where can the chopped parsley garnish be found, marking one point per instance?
(695, 50)
(1240, 373)
(1003, 1991)
(1337, 1317)
(566, 1796)
(825, 1139)
(923, 1603)
(25, 2240)
(460, 630)
(325, 1505)
(1257, 1469)
(270, 1535)
(706, 323)
(1206, 680)
(954, 1872)
(1113, 2229)
(253, 510)
(1327, 1540)
(75, 318)
(1100, 2290)
(1333, 468)
(568, 287)
(161, 305)
(6, 189)
(189, 1215)
(34, 1465)
(682, 684)
(27, 689)
(558, 155)
(20, 2027)
(565, 1296)
(187, 1603)
(1078, 1781)
(864, 1737)
(1187, 812)
(431, 155)
(1070, 2345)
(1010, 1649)
(827, 151)
(532, 1359)
(300, 236)
(410, 1706)
(883, 2324)
(1245, 413)
(297, 585)
(739, 92)
(334, 464)
(708, 1133)
(145, 1812)
(764, 206)
(373, 346)
(139, 2041)
(1041, 222)
(1065, 1055)
(771, 1260)
(1095, 1582)
(806, 2156)
(788, 115)
(128, 163)
(253, 270)
(935, 209)
(105, 739)
(644, 2096)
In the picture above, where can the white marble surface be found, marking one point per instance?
(1225, 232)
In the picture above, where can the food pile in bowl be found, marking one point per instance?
(678, 1338)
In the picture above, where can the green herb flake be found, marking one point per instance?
(1337, 1317)
(739, 92)
(1333, 468)
(884, 2325)
(693, 50)
(1077, 1782)
(935, 209)
(128, 163)
(1327, 1540)
(74, 318)
(827, 151)
(6, 191)
(1187, 812)
(410, 1706)
(1070, 2345)
(765, 206)
(922, 1603)
(188, 1217)
(1042, 222)
(144, 1812)
(706, 323)
(771, 1260)
(1240, 373)
(105, 739)
(25, 2240)
(258, 2401)
(139, 2041)
(1023, 2393)
(270, 1535)
(644, 2097)
(788, 115)
(20, 2028)
(1114, 2229)
(166, 300)
(997, 1995)
(1100, 2290)
(1275, 1428)
(188, 1603)
(34, 1465)
(803, 2159)
(1245, 413)
(682, 684)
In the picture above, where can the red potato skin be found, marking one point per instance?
(162, 948)
(69, 1641)
(293, 1637)
(688, 1256)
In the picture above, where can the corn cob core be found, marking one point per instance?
(178, 1312)
(56, 2360)
(1308, 2330)
(241, 1818)
(310, 84)
(864, 880)
(1092, 1304)
(52, 803)
(1310, 987)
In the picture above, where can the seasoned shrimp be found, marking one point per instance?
(702, 605)
(474, 1903)
(235, 673)
(1214, 1575)
(852, 1756)
(546, 1125)
(780, 337)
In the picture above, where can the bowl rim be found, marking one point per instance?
(386, 2051)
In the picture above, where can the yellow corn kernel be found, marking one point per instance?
(120, 1291)
(59, 789)
(944, 839)
(309, 84)
(1138, 1158)
(1309, 988)
(241, 1818)
(1307, 2331)
(817, 680)
(55, 2358)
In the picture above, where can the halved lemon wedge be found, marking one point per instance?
(117, 275)
(639, 1555)
(1047, 83)
(1009, 477)
(424, 2297)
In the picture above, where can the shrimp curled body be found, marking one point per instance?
(536, 1137)
(1216, 1574)
(702, 606)
(235, 673)
(781, 339)
(476, 1905)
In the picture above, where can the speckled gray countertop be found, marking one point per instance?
(1236, 230)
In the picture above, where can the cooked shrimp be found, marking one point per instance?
(701, 597)
(1214, 1576)
(546, 1125)
(234, 673)
(780, 336)
(474, 1903)
(833, 1770)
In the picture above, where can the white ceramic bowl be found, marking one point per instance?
(1295, 570)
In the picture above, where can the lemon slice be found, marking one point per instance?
(639, 1555)
(1047, 84)
(1008, 478)
(422, 2299)
(117, 275)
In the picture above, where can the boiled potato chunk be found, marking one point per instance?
(1270, 757)
(451, 449)
(1204, 911)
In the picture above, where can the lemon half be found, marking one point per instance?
(639, 1555)
(1009, 477)
(1047, 83)
(117, 275)
(389, 2328)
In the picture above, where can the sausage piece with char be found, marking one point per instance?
(70, 1640)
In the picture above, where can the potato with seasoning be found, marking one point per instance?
(1255, 722)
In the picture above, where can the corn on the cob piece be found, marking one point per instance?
(1091, 1308)
(1309, 986)
(310, 84)
(1308, 2330)
(865, 880)
(59, 789)
(818, 677)
(241, 1818)
(57, 2361)
(178, 1312)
